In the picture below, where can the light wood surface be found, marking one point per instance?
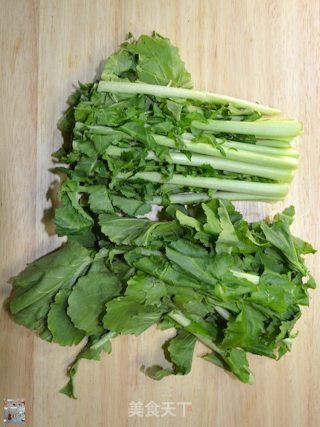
(262, 50)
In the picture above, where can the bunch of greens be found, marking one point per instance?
(150, 139)
(142, 137)
(235, 287)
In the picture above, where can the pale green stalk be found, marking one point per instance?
(239, 155)
(262, 128)
(273, 143)
(261, 146)
(198, 160)
(238, 197)
(182, 320)
(174, 92)
(275, 190)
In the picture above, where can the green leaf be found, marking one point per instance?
(88, 298)
(245, 330)
(138, 318)
(131, 207)
(188, 220)
(159, 62)
(99, 199)
(278, 234)
(179, 351)
(287, 215)
(212, 225)
(175, 109)
(235, 361)
(63, 330)
(195, 261)
(277, 292)
(146, 289)
(149, 59)
(118, 65)
(91, 351)
(36, 287)
(233, 288)
(140, 232)
(71, 219)
(302, 247)
(227, 237)
(158, 267)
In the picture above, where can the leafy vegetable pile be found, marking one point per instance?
(140, 140)
(235, 287)
(153, 143)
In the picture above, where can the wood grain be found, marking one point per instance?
(260, 50)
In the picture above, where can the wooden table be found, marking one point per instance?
(260, 50)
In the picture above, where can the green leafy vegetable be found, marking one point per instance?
(223, 289)
(140, 137)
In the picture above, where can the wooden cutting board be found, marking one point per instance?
(261, 50)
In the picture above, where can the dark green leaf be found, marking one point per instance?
(36, 287)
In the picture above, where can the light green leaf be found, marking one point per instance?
(227, 237)
(159, 62)
(212, 225)
(188, 220)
